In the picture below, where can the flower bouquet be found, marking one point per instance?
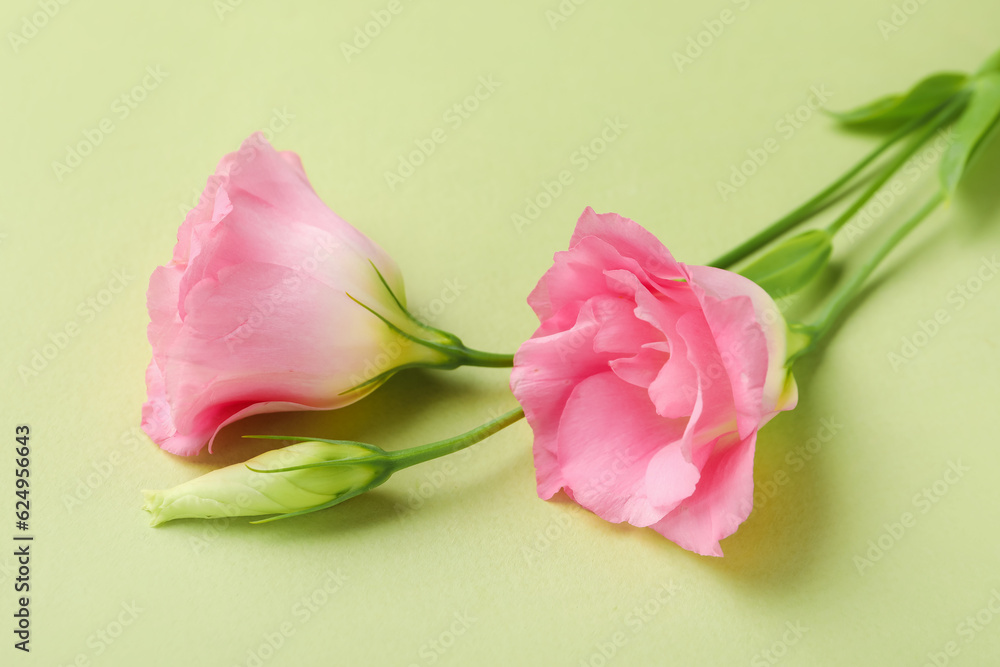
(645, 383)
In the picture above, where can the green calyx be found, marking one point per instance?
(375, 463)
(445, 351)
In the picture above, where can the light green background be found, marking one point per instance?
(536, 583)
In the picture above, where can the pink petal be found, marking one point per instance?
(608, 435)
(721, 501)
(546, 368)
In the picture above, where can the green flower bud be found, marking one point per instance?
(334, 472)
(792, 264)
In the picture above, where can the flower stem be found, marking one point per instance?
(842, 298)
(811, 207)
(414, 455)
(941, 118)
(470, 357)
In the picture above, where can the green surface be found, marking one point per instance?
(458, 562)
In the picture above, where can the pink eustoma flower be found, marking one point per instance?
(647, 381)
(254, 313)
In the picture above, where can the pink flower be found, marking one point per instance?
(647, 381)
(252, 314)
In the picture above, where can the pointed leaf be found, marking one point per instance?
(792, 264)
(992, 64)
(971, 129)
(893, 110)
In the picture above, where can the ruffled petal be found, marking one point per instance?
(608, 436)
(721, 501)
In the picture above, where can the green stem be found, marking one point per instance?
(811, 207)
(941, 118)
(843, 297)
(414, 455)
(471, 357)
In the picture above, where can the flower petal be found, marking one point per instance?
(606, 464)
(721, 501)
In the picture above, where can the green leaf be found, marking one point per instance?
(792, 264)
(992, 64)
(971, 129)
(893, 110)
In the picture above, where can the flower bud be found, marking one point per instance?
(336, 472)
(792, 264)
